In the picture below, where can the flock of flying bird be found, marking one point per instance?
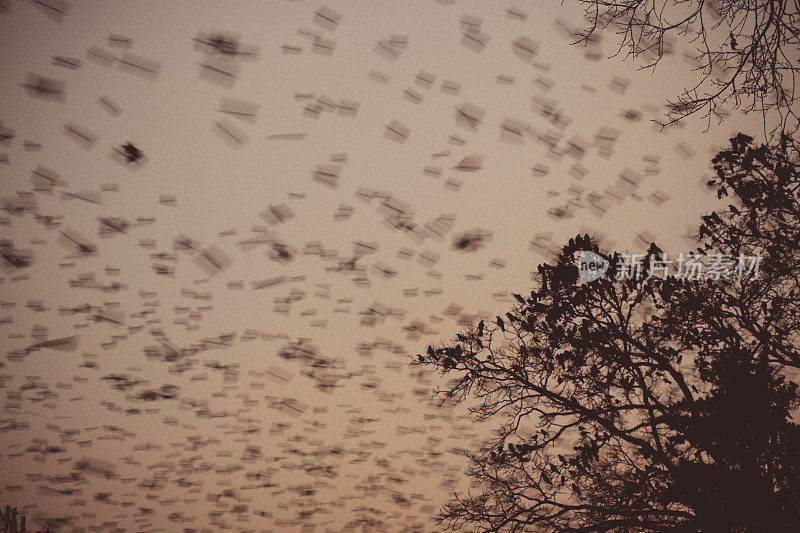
(121, 411)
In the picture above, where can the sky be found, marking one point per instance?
(272, 235)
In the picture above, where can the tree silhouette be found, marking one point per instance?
(652, 402)
(11, 522)
(747, 53)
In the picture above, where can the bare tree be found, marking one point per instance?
(652, 402)
(747, 51)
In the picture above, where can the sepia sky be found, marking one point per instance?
(293, 406)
